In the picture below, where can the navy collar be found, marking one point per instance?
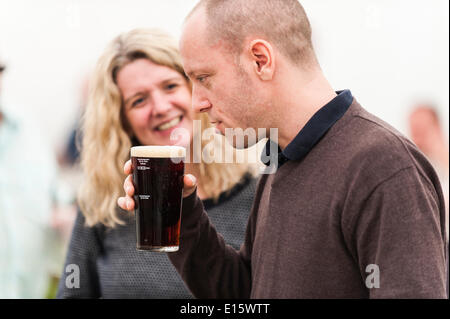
(314, 129)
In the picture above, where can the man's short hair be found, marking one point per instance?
(283, 23)
(2, 68)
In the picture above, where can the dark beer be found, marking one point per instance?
(158, 180)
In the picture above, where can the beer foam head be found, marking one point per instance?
(158, 151)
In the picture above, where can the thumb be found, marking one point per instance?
(190, 183)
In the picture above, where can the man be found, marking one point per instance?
(353, 211)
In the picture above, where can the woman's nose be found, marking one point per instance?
(161, 104)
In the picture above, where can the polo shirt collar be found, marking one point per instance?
(314, 129)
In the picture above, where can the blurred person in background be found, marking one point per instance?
(2, 68)
(70, 153)
(427, 133)
(69, 167)
(139, 94)
(29, 245)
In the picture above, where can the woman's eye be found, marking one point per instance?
(137, 102)
(171, 86)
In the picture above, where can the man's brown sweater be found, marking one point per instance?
(363, 209)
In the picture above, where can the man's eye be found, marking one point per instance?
(202, 78)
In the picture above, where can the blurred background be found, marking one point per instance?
(392, 54)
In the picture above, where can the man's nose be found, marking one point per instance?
(200, 104)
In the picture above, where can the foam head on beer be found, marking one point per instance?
(155, 151)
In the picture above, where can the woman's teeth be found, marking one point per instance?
(170, 124)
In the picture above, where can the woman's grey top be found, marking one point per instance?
(103, 263)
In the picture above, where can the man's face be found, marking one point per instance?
(220, 86)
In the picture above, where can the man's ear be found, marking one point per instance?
(263, 59)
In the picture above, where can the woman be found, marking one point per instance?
(139, 95)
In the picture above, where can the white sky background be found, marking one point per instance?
(388, 52)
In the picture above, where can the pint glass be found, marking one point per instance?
(158, 180)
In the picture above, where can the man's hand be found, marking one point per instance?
(127, 202)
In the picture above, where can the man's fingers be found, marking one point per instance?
(127, 168)
(122, 203)
(128, 186)
(126, 203)
(129, 203)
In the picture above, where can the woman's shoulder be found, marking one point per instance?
(82, 230)
(242, 192)
(99, 236)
